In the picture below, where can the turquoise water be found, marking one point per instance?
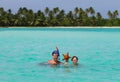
(21, 51)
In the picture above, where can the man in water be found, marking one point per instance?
(55, 57)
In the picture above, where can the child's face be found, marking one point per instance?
(74, 60)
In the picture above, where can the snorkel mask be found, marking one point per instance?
(56, 52)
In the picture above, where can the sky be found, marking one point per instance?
(102, 6)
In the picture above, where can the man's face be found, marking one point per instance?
(55, 57)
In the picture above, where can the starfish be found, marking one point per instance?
(66, 57)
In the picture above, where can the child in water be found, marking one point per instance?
(74, 60)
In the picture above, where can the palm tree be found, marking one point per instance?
(110, 14)
(25, 9)
(81, 11)
(30, 17)
(76, 10)
(1, 11)
(17, 21)
(99, 19)
(60, 17)
(47, 11)
(79, 20)
(56, 11)
(99, 16)
(111, 17)
(4, 18)
(92, 11)
(115, 14)
(84, 18)
(70, 17)
(51, 14)
(10, 17)
(40, 19)
(87, 10)
(1, 15)
(55, 17)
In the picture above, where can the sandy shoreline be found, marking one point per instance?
(67, 27)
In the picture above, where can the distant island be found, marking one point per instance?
(57, 17)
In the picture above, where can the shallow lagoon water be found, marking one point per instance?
(22, 49)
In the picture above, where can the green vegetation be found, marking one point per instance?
(57, 17)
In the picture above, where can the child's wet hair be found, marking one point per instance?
(74, 57)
